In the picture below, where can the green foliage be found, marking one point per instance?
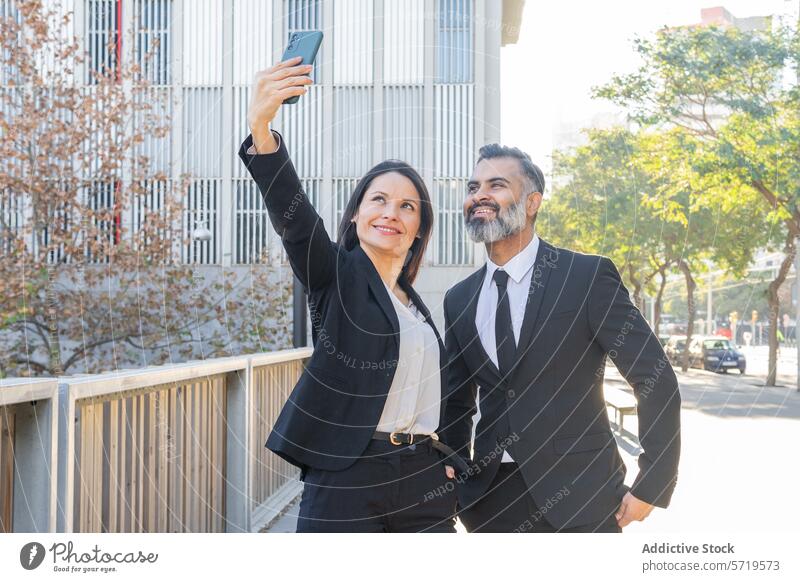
(689, 75)
(727, 89)
(732, 98)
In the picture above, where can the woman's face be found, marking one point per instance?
(389, 216)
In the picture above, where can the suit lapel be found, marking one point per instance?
(379, 291)
(546, 261)
(469, 337)
(421, 307)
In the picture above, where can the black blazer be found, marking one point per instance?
(550, 411)
(333, 410)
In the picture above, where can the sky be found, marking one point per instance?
(568, 46)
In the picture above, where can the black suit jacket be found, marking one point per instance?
(333, 410)
(550, 411)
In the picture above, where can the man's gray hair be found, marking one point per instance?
(532, 172)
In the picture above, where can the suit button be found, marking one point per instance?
(511, 394)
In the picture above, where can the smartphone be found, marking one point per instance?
(302, 44)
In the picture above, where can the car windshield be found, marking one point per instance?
(717, 344)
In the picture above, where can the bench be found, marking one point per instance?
(622, 402)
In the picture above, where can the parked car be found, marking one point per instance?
(717, 354)
(713, 353)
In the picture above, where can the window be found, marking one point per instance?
(252, 228)
(301, 123)
(304, 15)
(252, 224)
(201, 213)
(717, 344)
(353, 144)
(403, 123)
(202, 131)
(452, 243)
(454, 41)
(343, 190)
(202, 160)
(152, 38)
(454, 130)
(11, 220)
(8, 14)
(103, 41)
(105, 221)
(150, 222)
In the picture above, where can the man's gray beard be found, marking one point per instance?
(506, 223)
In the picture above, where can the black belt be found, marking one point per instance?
(402, 438)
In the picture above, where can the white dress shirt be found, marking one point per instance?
(520, 270)
(414, 399)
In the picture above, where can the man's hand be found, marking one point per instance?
(450, 472)
(632, 509)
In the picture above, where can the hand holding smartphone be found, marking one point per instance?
(305, 45)
(281, 83)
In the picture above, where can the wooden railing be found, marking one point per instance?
(275, 481)
(177, 448)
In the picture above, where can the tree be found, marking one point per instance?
(638, 198)
(80, 288)
(687, 227)
(596, 205)
(725, 87)
(612, 198)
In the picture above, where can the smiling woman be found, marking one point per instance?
(389, 213)
(362, 421)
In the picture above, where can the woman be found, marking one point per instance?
(361, 422)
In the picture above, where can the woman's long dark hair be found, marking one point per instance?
(348, 238)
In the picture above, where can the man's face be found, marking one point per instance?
(498, 202)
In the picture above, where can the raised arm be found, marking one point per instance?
(624, 334)
(302, 231)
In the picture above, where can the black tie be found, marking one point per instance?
(503, 332)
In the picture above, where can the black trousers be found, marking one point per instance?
(389, 489)
(508, 507)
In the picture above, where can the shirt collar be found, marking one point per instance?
(519, 264)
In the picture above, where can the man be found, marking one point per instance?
(530, 332)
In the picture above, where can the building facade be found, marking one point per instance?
(417, 80)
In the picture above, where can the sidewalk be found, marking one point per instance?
(757, 363)
(739, 469)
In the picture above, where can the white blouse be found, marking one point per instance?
(414, 399)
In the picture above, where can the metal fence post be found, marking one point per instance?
(34, 404)
(238, 444)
